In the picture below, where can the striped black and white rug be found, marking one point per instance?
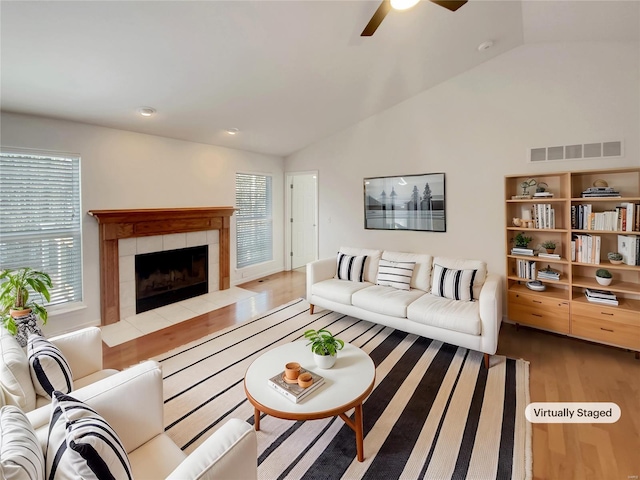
(435, 412)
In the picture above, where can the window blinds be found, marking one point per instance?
(40, 223)
(254, 222)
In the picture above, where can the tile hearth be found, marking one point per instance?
(136, 326)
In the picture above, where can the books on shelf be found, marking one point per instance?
(629, 248)
(293, 391)
(586, 248)
(604, 297)
(543, 195)
(600, 192)
(543, 215)
(526, 269)
(555, 256)
(622, 218)
(548, 274)
(522, 251)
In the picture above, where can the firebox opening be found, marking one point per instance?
(167, 277)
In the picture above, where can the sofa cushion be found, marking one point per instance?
(371, 265)
(49, 369)
(385, 300)
(395, 274)
(462, 264)
(421, 277)
(443, 312)
(15, 378)
(339, 291)
(82, 444)
(20, 452)
(453, 284)
(350, 267)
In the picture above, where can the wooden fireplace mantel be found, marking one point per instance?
(117, 224)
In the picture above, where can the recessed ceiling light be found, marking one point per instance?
(232, 131)
(485, 46)
(146, 111)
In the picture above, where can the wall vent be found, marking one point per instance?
(576, 152)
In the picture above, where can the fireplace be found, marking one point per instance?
(169, 276)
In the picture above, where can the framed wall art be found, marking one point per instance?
(408, 202)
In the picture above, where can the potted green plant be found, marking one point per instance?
(521, 240)
(18, 311)
(603, 276)
(324, 347)
(549, 246)
(615, 258)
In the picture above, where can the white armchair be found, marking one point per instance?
(82, 349)
(132, 403)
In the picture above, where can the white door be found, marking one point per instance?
(303, 221)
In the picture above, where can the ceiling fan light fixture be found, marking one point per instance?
(146, 111)
(403, 4)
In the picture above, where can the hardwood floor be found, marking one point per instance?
(561, 370)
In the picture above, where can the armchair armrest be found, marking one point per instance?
(490, 306)
(230, 453)
(320, 270)
(82, 349)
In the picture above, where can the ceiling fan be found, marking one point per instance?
(387, 5)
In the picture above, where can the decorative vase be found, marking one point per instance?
(604, 281)
(615, 262)
(324, 361)
(26, 322)
(550, 250)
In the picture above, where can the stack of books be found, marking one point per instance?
(293, 391)
(601, 296)
(522, 251)
(629, 248)
(555, 256)
(600, 192)
(548, 274)
(543, 195)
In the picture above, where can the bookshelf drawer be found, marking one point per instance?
(605, 313)
(555, 319)
(613, 333)
(538, 301)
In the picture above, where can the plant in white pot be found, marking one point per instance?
(603, 276)
(324, 347)
(18, 312)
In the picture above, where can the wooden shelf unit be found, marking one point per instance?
(563, 307)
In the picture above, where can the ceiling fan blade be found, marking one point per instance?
(377, 18)
(452, 5)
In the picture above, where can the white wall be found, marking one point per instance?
(476, 128)
(129, 170)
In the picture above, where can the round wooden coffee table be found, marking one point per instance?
(347, 384)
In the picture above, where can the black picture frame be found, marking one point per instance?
(405, 202)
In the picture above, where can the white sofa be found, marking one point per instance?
(132, 403)
(82, 349)
(470, 324)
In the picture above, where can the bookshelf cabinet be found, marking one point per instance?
(563, 307)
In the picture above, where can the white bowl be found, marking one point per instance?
(604, 281)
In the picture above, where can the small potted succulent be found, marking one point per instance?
(603, 276)
(615, 258)
(324, 347)
(522, 241)
(549, 246)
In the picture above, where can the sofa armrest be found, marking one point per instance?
(490, 306)
(230, 453)
(82, 349)
(320, 270)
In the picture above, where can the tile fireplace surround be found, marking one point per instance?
(127, 224)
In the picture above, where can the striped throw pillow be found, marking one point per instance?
(351, 267)
(20, 452)
(395, 274)
(49, 369)
(82, 444)
(453, 284)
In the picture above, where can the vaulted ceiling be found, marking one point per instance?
(285, 73)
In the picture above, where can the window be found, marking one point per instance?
(40, 223)
(254, 223)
